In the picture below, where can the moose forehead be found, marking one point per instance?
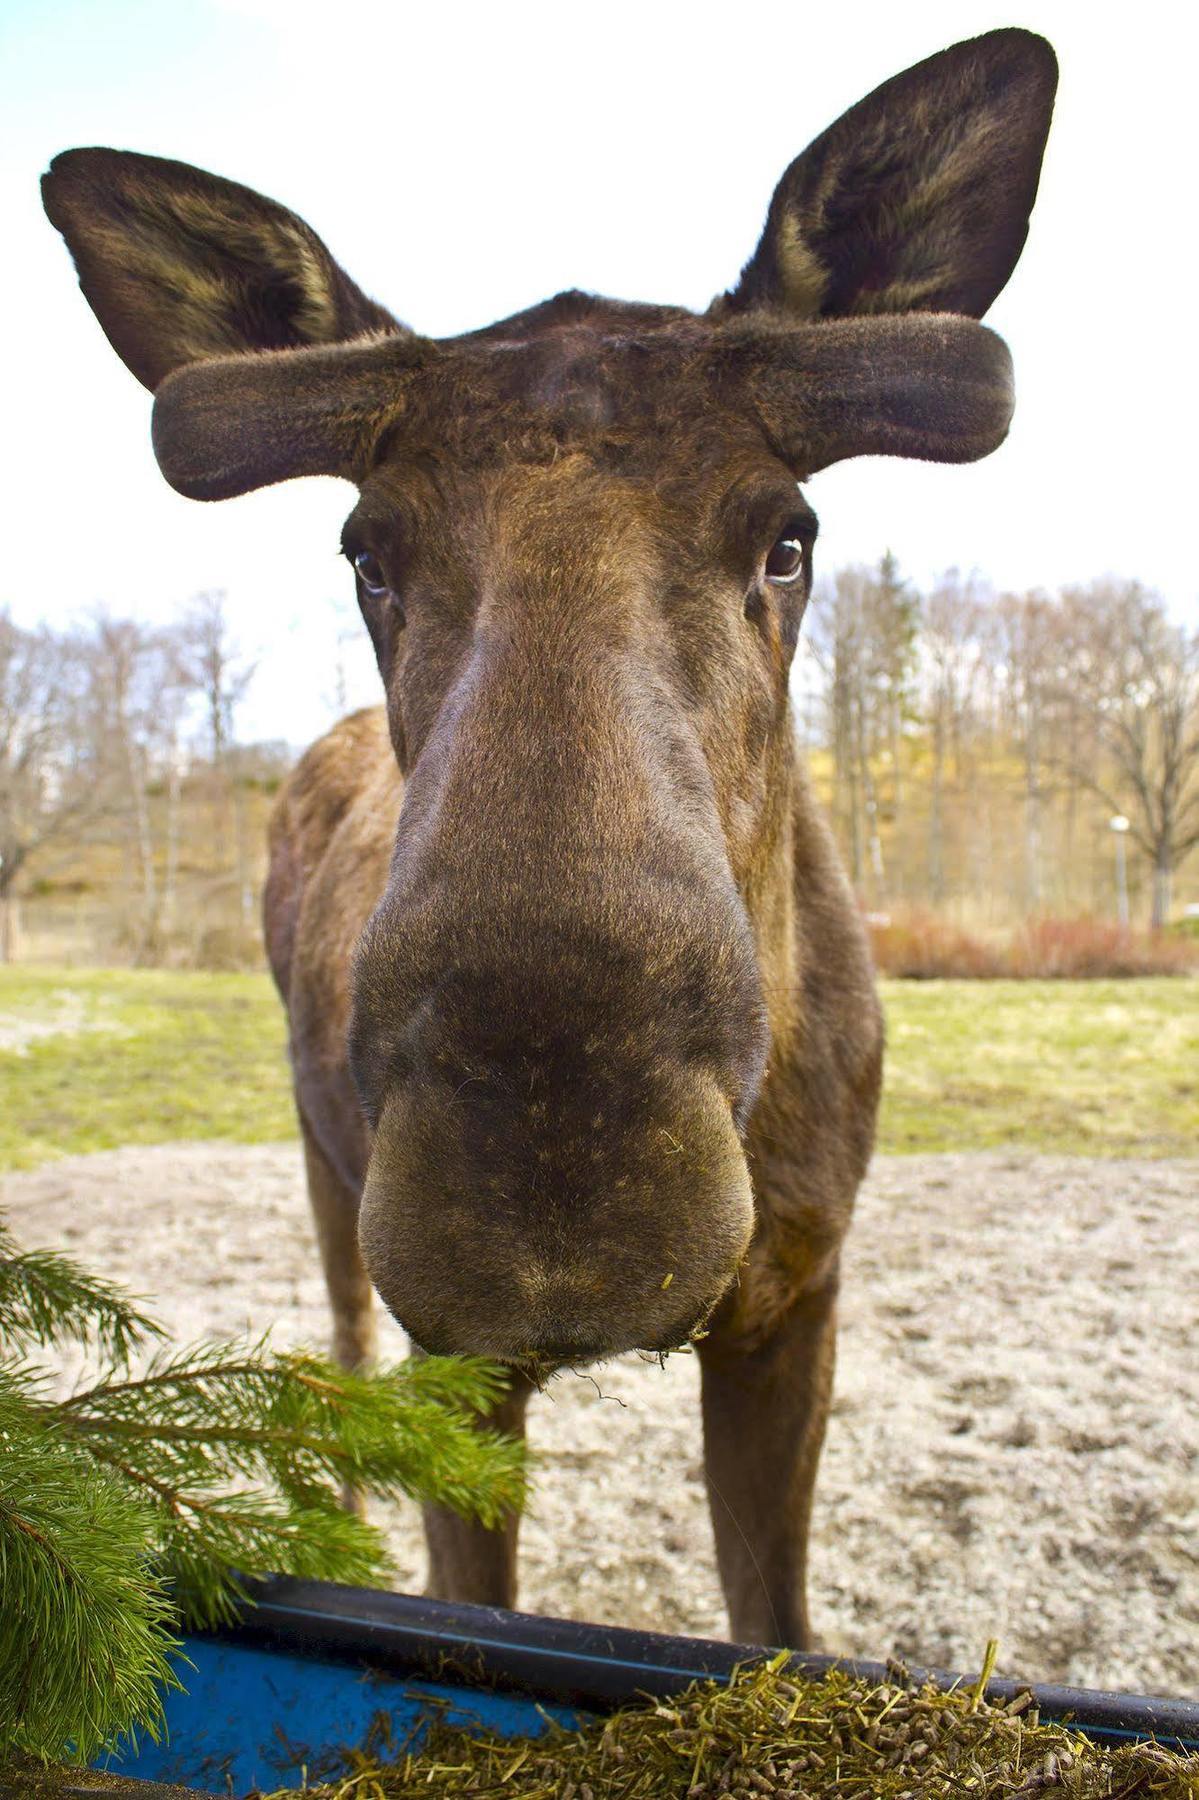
(626, 383)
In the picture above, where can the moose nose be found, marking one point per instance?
(490, 1228)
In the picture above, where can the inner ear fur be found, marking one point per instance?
(917, 199)
(180, 266)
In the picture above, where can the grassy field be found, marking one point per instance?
(1095, 1068)
(143, 1057)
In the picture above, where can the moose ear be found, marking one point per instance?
(180, 266)
(918, 198)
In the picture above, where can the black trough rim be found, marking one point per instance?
(601, 1666)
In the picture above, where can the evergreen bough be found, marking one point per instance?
(127, 1507)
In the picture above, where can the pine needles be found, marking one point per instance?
(126, 1507)
(772, 1735)
(47, 1300)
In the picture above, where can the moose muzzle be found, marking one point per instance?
(558, 1035)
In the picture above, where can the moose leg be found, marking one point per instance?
(335, 1214)
(466, 1560)
(765, 1407)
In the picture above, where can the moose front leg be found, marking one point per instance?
(466, 1560)
(765, 1406)
(335, 1215)
(351, 1301)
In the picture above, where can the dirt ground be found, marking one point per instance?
(1014, 1450)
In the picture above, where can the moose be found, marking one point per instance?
(585, 1041)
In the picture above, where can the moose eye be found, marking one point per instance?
(370, 572)
(785, 561)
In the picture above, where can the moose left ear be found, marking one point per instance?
(917, 199)
(179, 265)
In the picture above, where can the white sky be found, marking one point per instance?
(463, 161)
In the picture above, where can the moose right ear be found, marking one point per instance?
(180, 266)
(916, 199)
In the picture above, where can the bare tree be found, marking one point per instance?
(951, 645)
(1128, 679)
(1028, 632)
(53, 780)
(139, 696)
(212, 663)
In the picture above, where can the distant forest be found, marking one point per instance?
(132, 816)
(973, 749)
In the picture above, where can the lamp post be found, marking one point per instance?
(1119, 825)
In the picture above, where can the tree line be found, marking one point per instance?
(975, 747)
(121, 771)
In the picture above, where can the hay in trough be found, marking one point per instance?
(772, 1733)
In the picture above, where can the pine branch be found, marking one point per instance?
(208, 1547)
(141, 1499)
(85, 1623)
(219, 1413)
(184, 1368)
(47, 1299)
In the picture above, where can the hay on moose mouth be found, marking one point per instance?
(771, 1733)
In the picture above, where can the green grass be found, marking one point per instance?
(1094, 1068)
(1106, 1068)
(161, 1056)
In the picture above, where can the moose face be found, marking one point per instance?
(583, 558)
(559, 1027)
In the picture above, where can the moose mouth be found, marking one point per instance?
(542, 1364)
(549, 1211)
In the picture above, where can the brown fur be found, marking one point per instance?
(585, 1042)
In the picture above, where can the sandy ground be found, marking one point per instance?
(1014, 1450)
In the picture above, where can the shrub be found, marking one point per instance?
(922, 946)
(1084, 949)
(221, 948)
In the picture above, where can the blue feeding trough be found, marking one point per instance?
(269, 1718)
(313, 1668)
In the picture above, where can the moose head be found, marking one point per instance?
(583, 553)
